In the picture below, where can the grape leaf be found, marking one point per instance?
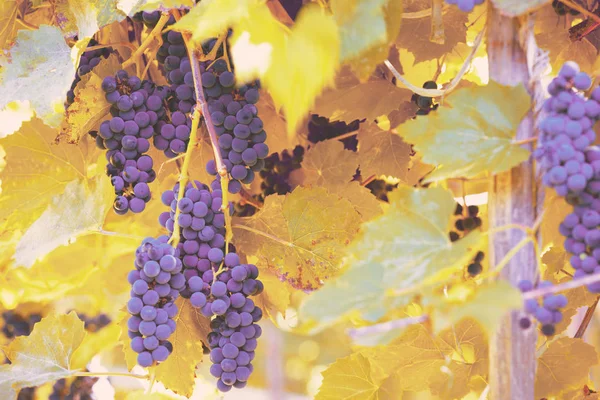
(13, 117)
(131, 7)
(43, 356)
(178, 372)
(364, 202)
(90, 106)
(94, 343)
(275, 125)
(555, 259)
(556, 209)
(276, 296)
(39, 59)
(33, 155)
(352, 99)
(564, 365)
(328, 162)
(414, 33)
(86, 17)
(365, 63)
(8, 19)
(77, 211)
(514, 8)
(402, 249)
(383, 153)
(348, 378)
(487, 305)
(476, 135)
(300, 236)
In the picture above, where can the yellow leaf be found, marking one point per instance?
(94, 343)
(400, 251)
(277, 139)
(276, 296)
(363, 201)
(77, 211)
(8, 19)
(300, 236)
(85, 17)
(487, 305)
(305, 58)
(329, 163)
(45, 355)
(383, 153)
(348, 378)
(555, 259)
(564, 365)
(90, 106)
(476, 135)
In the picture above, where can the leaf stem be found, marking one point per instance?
(368, 180)
(27, 25)
(439, 92)
(203, 106)
(126, 374)
(156, 31)
(526, 141)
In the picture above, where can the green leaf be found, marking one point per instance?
(39, 59)
(404, 249)
(79, 210)
(476, 135)
(43, 356)
(348, 378)
(383, 153)
(300, 236)
(487, 305)
(564, 365)
(361, 24)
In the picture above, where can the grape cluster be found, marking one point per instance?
(320, 129)
(561, 9)
(87, 62)
(571, 164)
(14, 324)
(275, 175)
(136, 108)
(234, 330)
(94, 324)
(80, 389)
(201, 225)
(464, 225)
(155, 284)
(548, 313)
(380, 189)
(465, 5)
(425, 104)
(238, 127)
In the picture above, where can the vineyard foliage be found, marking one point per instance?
(367, 215)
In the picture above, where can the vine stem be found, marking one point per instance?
(368, 180)
(156, 31)
(439, 92)
(103, 46)
(210, 127)
(126, 374)
(183, 176)
(506, 259)
(383, 327)
(586, 319)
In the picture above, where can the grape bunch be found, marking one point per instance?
(380, 189)
(465, 5)
(136, 108)
(94, 324)
(548, 313)
(464, 225)
(561, 9)
(201, 225)
(87, 62)
(425, 104)
(155, 284)
(571, 164)
(321, 128)
(14, 324)
(237, 125)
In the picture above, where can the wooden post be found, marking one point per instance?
(512, 199)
